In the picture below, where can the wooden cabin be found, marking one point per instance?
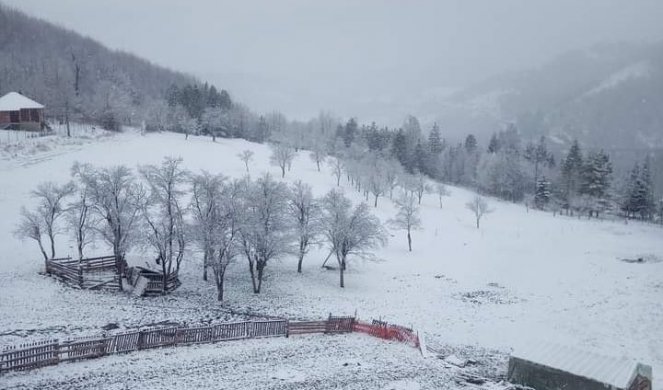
(18, 112)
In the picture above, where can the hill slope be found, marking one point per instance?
(56, 66)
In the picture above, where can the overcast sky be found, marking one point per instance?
(349, 56)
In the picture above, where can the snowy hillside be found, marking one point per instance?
(524, 277)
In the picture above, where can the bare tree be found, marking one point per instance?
(349, 232)
(164, 214)
(31, 226)
(246, 157)
(79, 218)
(376, 174)
(265, 230)
(337, 166)
(304, 211)
(117, 200)
(282, 156)
(318, 154)
(441, 191)
(392, 176)
(407, 217)
(225, 232)
(479, 207)
(51, 207)
(206, 189)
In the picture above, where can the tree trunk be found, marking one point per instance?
(219, 286)
(260, 269)
(299, 263)
(52, 239)
(41, 248)
(478, 222)
(376, 201)
(205, 257)
(342, 270)
(409, 240)
(318, 164)
(338, 180)
(253, 277)
(283, 171)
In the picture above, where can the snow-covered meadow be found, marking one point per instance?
(524, 277)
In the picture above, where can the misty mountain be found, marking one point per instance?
(58, 67)
(608, 96)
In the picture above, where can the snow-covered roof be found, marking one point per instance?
(616, 371)
(14, 101)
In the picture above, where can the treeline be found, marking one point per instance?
(572, 182)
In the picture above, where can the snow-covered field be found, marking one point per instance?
(524, 277)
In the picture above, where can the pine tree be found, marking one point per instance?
(399, 150)
(350, 132)
(493, 145)
(419, 159)
(470, 143)
(647, 203)
(542, 195)
(571, 173)
(630, 201)
(435, 140)
(596, 177)
(539, 156)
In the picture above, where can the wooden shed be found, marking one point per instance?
(552, 367)
(18, 112)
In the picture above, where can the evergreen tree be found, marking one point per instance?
(420, 159)
(596, 177)
(493, 145)
(542, 195)
(470, 143)
(539, 156)
(350, 132)
(435, 145)
(639, 192)
(399, 150)
(571, 171)
(262, 130)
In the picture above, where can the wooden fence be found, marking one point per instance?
(51, 352)
(90, 273)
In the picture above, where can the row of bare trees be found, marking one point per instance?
(168, 209)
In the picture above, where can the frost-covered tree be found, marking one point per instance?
(376, 172)
(393, 176)
(337, 167)
(417, 184)
(282, 156)
(304, 211)
(348, 231)
(596, 178)
(31, 226)
(441, 191)
(51, 208)
(539, 156)
(639, 192)
(407, 217)
(266, 229)
(479, 207)
(117, 200)
(164, 214)
(80, 220)
(542, 194)
(246, 157)
(318, 154)
(206, 191)
(226, 223)
(571, 174)
(435, 145)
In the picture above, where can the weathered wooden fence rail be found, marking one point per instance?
(51, 352)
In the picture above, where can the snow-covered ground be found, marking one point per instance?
(524, 277)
